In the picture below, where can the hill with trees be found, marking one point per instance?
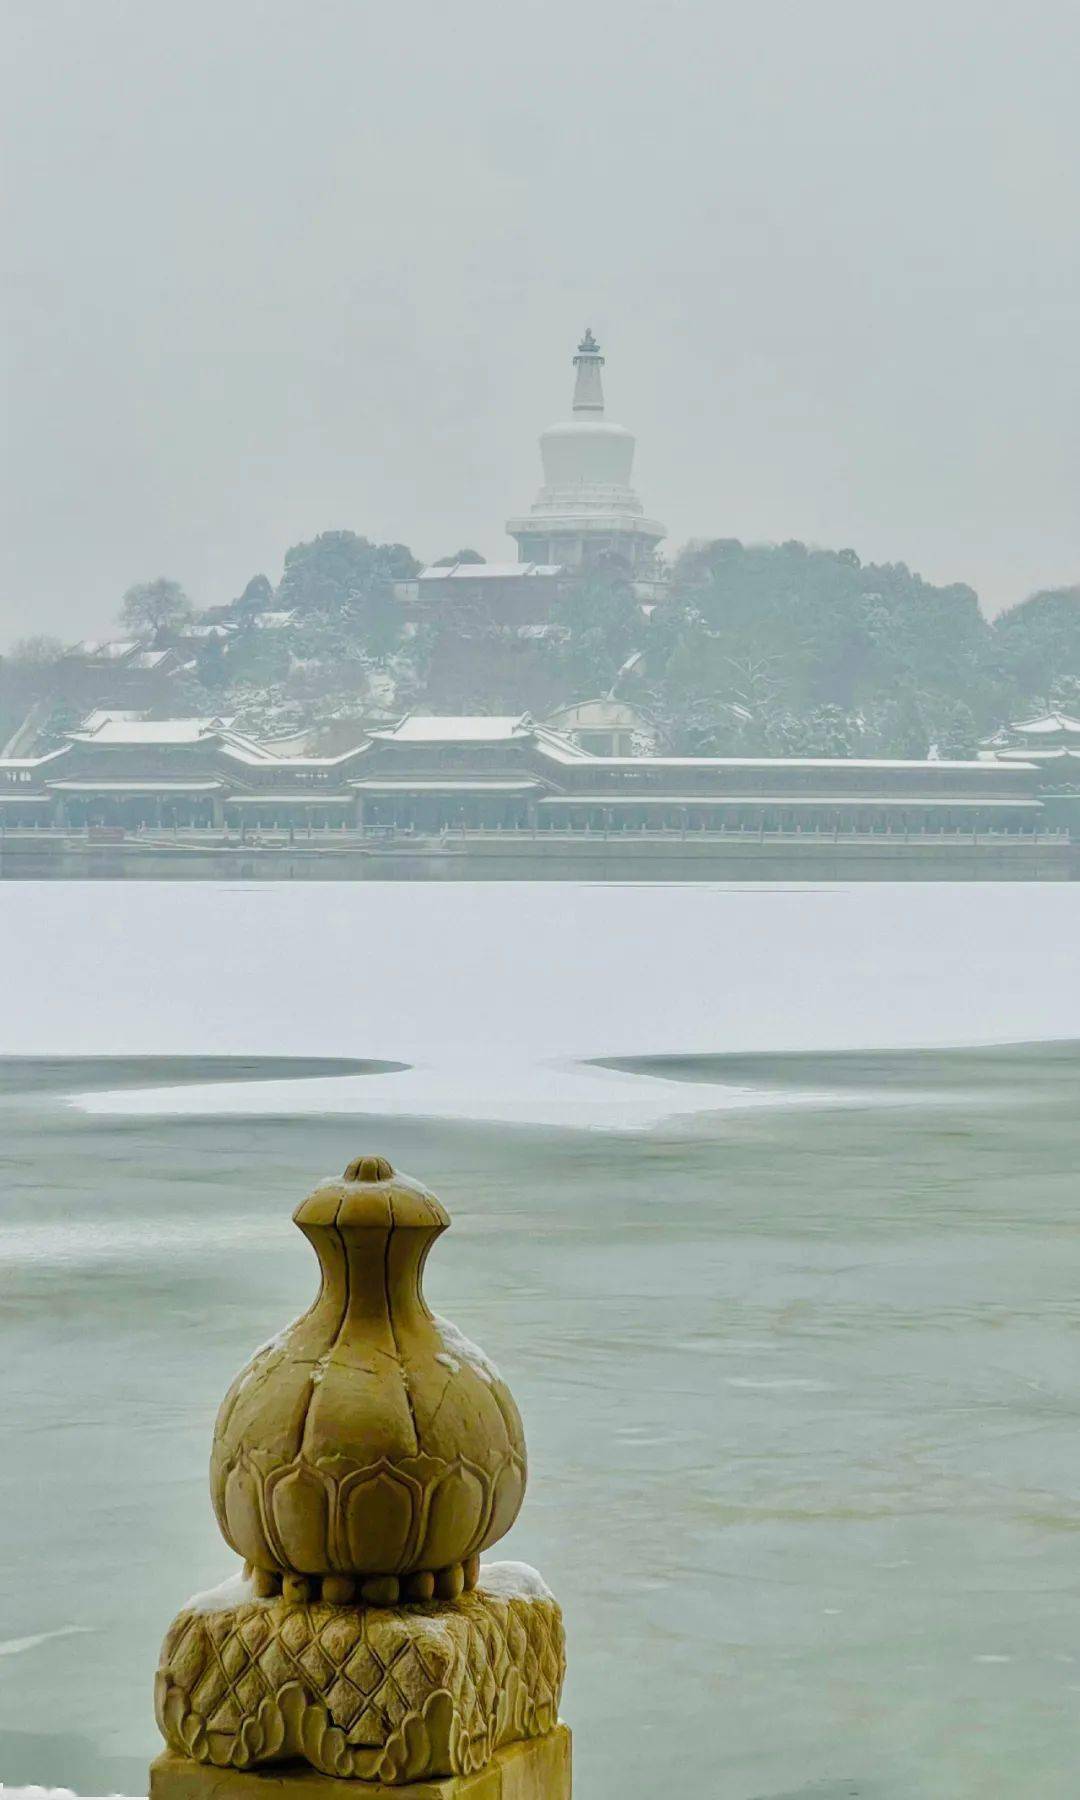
(755, 650)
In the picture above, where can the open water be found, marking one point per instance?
(765, 1204)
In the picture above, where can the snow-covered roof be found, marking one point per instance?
(102, 714)
(105, 649)
(273, 621)
(881, 763)
(164, 786)
(600, 714)
(503, 571)
(112, 726)
(476, 728)
(288, 743)
(247, 751)
(1049, 725)
(1030, 755)
(30, 762)
(557, 748)
(457, 728)
(123, 728)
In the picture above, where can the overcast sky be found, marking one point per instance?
(277, 266)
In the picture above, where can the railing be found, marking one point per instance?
(745, 834)
(401, 837)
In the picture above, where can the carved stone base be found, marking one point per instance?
(538, 1769)
(394, 1695)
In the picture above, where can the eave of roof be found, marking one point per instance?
(466, 785)
(1048, 725)
(135, 787)
(1029, 758)
(944, 801)
(32, 762)
(510, 571)
(799, 762)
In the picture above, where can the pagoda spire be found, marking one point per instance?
(588, 387)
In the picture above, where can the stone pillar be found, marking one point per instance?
(362, 1462)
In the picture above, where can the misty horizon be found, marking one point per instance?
(273, 276)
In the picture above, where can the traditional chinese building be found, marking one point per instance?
(125, 770)
(607, 726)
(427, 775)
(1051, 741)
(517, 593)
(117, 672)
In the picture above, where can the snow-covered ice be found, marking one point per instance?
(496, 995)
(17, 1646)
(51, 1793)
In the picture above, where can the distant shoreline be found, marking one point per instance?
(510, 856)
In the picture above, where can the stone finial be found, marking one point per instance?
(369, 1452)
(361, 1462)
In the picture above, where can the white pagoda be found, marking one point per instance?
(587, 510)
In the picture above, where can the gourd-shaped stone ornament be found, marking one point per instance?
(370, 1444)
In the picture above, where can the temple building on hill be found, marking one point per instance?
(1051, 739)
(607, 726)
(1051, 742)
(521, 593)
(587, 509)
(117, 672)
(585, 513)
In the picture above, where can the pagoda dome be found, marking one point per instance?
(587, 459)
(587, 452)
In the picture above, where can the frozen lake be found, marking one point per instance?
(495, 996)
(792, 1327)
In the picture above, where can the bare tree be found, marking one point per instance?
(36, 652)
(156, 607)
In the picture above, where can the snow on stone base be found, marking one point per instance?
(513, 1581)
